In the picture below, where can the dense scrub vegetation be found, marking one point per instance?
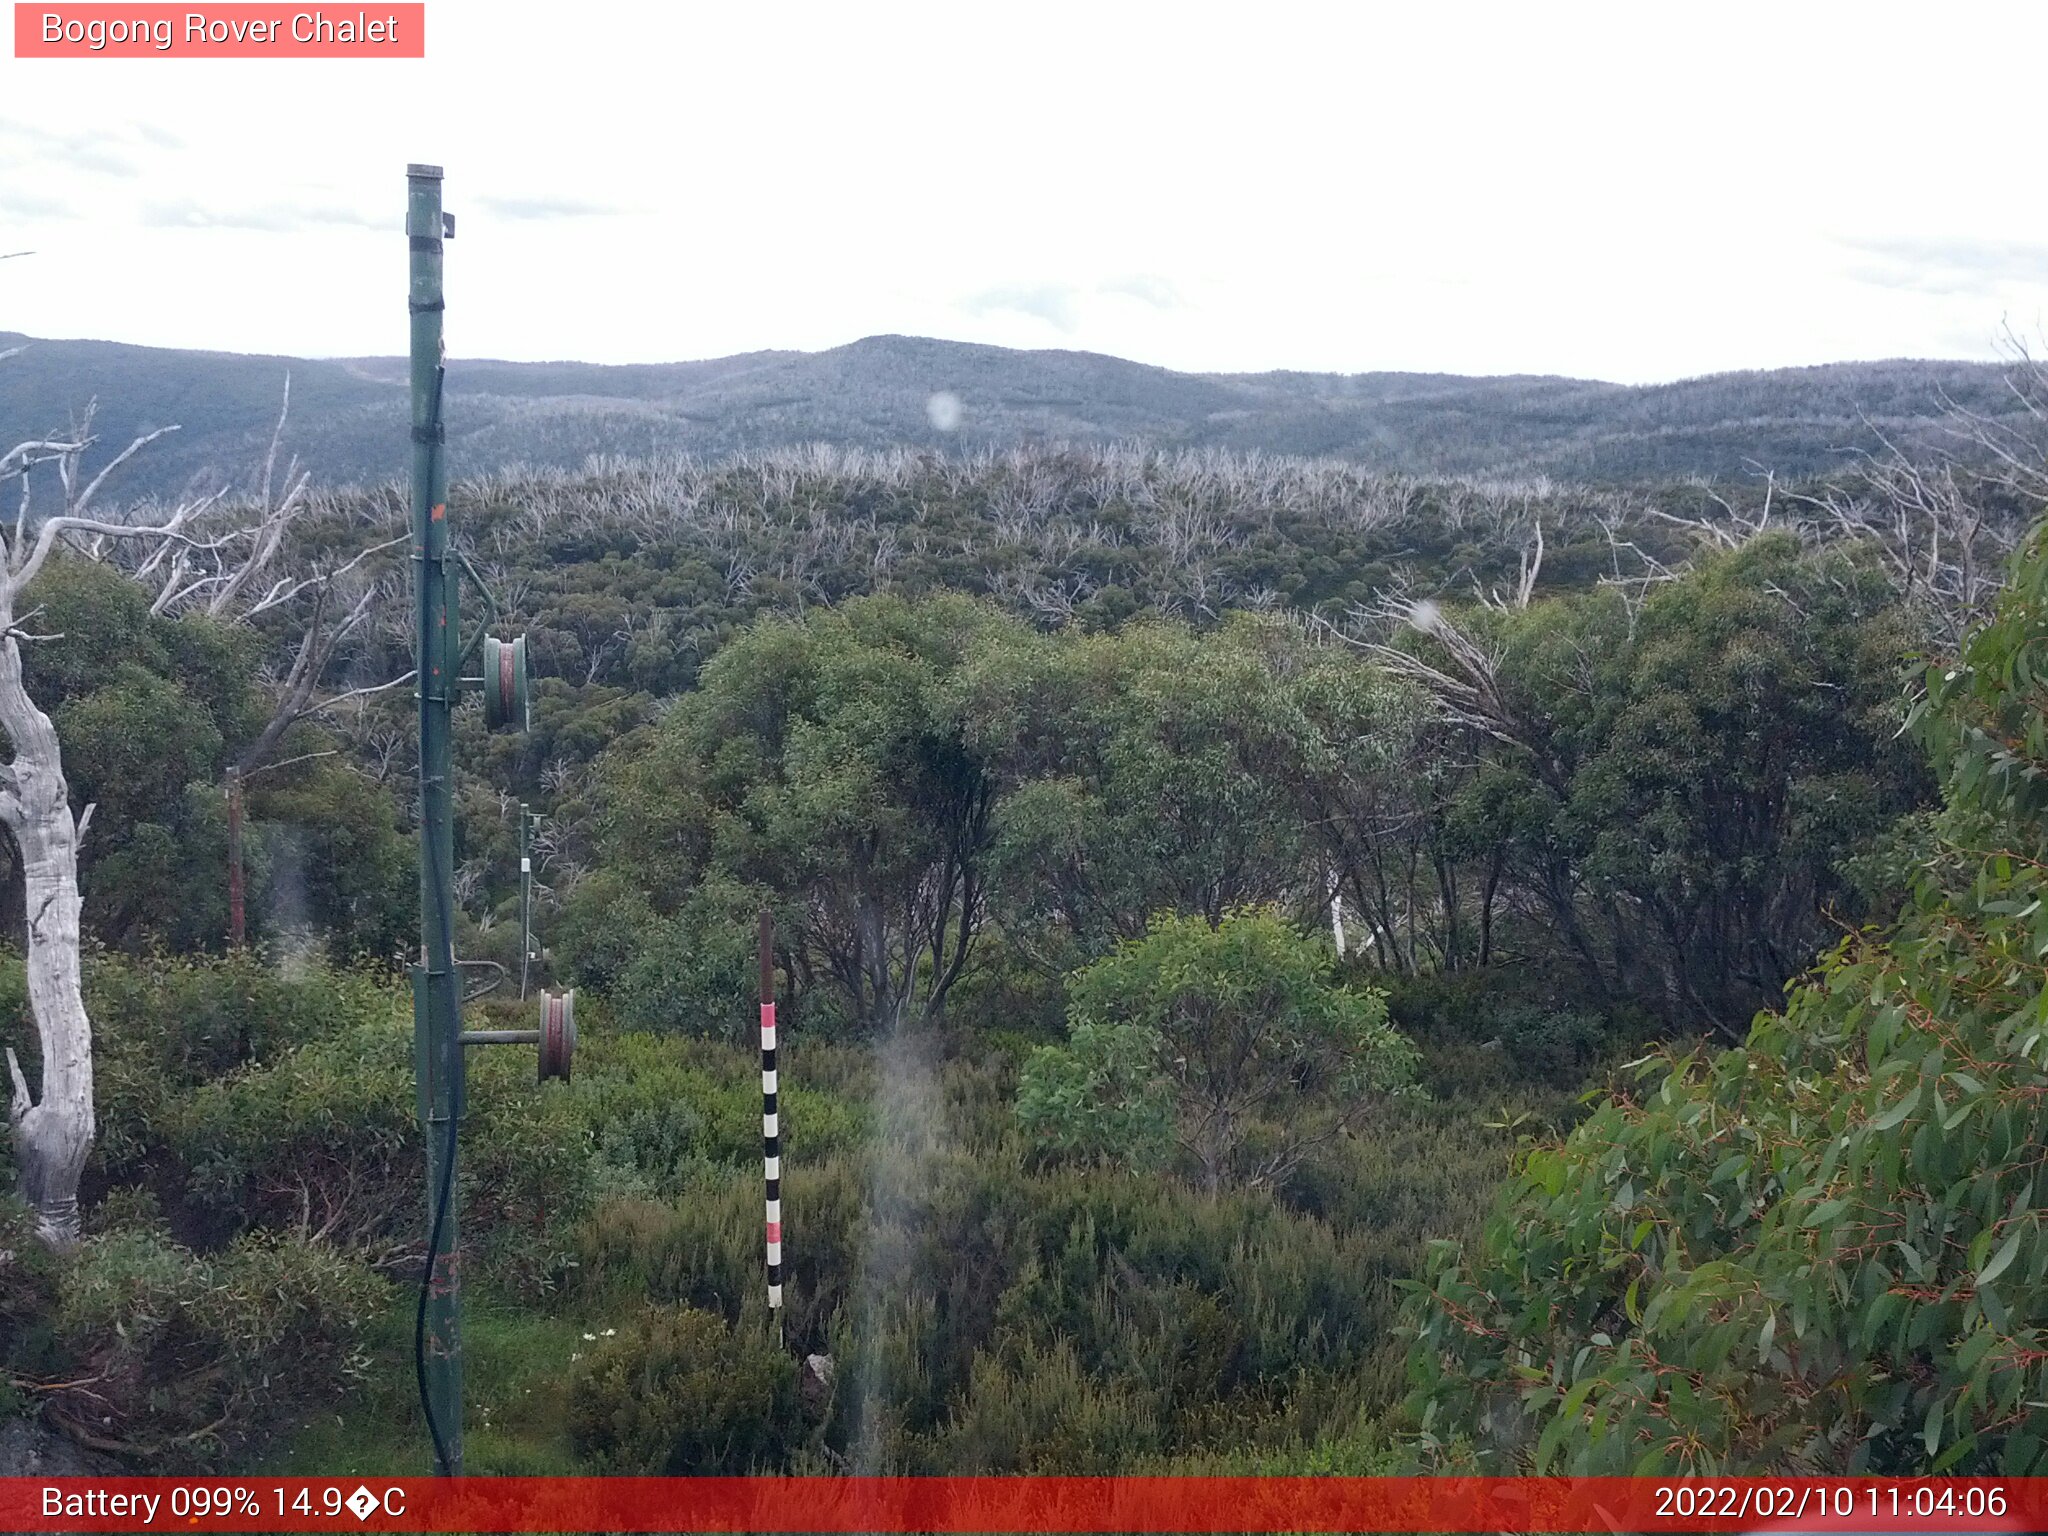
(1182, 927)
(1821, 1249)
(257, 1191)
(1673, 810)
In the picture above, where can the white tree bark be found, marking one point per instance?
(53, 1133)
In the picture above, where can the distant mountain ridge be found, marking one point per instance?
(348, 414)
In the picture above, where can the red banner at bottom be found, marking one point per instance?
(1024, 1504)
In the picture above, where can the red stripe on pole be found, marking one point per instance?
(1025, 1504)
(774, 1231)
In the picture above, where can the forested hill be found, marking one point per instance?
(348, 414)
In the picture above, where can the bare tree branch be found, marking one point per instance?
(19, 1103)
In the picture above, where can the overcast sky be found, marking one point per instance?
(1641, 192)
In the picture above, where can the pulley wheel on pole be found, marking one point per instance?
(557, 1034)
(504, 683)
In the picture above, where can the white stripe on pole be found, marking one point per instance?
(771, 1124)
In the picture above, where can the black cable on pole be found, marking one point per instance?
(419, 1335)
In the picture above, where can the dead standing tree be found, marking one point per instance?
(243, 576)
(52, 1130)
(1462, 675)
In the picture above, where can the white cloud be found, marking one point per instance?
(1616, 191)
(1056, 304)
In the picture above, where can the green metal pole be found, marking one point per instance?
(525, 897)
(437, 1001)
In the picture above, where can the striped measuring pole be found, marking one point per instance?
(771, 1123)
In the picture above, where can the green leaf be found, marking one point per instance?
(1975, 1347)
(1898, 1111)
(1994, 1309)
(1826, 1211)
(2001, 1260)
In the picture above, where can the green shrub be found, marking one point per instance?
(656, 1106)
(691, 971)
(1554, 1045)
(704, 1249)
(28, 1293)
(324, 1142)
(891, 1380)
(179, 1350)
(1100, 1098)
(1362, 1446)
(945, 1282)
(164, 1025)
(1821, 1251)
(1502, 1031)
(1014, 999)
(683, 1392)
(327, 846)
(1042, 1412)
(1229, 1040)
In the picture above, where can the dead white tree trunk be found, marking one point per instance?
(222, 574)
(52, 1130)
(53, 1133)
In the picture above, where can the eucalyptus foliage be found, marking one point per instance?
(1228, 1042)
(1820, 1251)
(824, 760)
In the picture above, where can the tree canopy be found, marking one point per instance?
(1227, 1040)
(1818, 1251)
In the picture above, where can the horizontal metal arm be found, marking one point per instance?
(500, 1037)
